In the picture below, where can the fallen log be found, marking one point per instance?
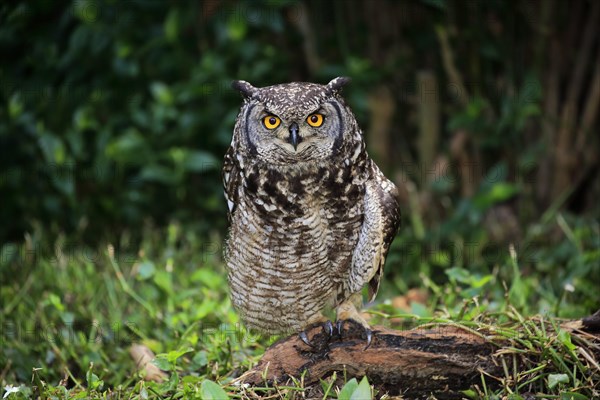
(442, 360)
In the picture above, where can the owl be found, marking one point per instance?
(311, 215)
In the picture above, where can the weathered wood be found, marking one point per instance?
(443, 360)
(413, 363)
(591, 323)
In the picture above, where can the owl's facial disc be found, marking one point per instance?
(291, 135)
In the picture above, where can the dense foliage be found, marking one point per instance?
(115, 112)
(114, 117)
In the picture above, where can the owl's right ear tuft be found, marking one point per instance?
(245, 88)
(335, 85)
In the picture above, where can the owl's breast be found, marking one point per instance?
(296, 198)
(303, 222)
(292, 239)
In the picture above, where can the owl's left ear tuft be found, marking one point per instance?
(336, 84)
(245, 88)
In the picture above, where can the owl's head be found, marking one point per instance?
(294, 122)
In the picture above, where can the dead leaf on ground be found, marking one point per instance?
(143, 357)
(412, 296)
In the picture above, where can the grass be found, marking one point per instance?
(70, 314)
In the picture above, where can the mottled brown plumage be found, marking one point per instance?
(311, 215)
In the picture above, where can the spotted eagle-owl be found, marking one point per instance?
(311, 215)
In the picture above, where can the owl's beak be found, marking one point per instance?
(294, 138)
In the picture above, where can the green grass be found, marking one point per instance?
(70, 314)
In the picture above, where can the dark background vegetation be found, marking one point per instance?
(114, 116)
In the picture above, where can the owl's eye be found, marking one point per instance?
(271, 122)
(315, 120)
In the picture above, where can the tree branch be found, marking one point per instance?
(444, 360)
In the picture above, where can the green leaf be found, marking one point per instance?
(200, 359)
(161, 93)
(200, 161)
(174, 355)
(497, 193)
(419, 309)
(209, 390)
(158, 173)
(56, 302)
(573, 396)
(441, 258)
(171, 26)
(15, 106)
(146, 269)
(565, 338)
(208, 277)
(161, 362)
(470, 393)
(86, 10)
(555, 379)
(348, 389)
(237, 28)
(457, 274)
(52, 147)
(130, 148)
(363, 391)
(502, 191)
(324, 385)
(93, 381)
(173, 380)
(480, 281)
(164, 280)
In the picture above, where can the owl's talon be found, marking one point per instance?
(339, 325)
(302, 335)
(328, 327)
(369, 338)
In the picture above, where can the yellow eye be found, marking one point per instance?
(315, 120)
(271, 122)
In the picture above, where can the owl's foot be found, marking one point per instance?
(339, 326)
(346, 312)
(327, 327)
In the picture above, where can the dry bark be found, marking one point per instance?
(443, 360)
(413, 363)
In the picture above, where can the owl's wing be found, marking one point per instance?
(231, 181)
(380, 224)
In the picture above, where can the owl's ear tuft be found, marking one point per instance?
(245, 88)
(336, 84)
